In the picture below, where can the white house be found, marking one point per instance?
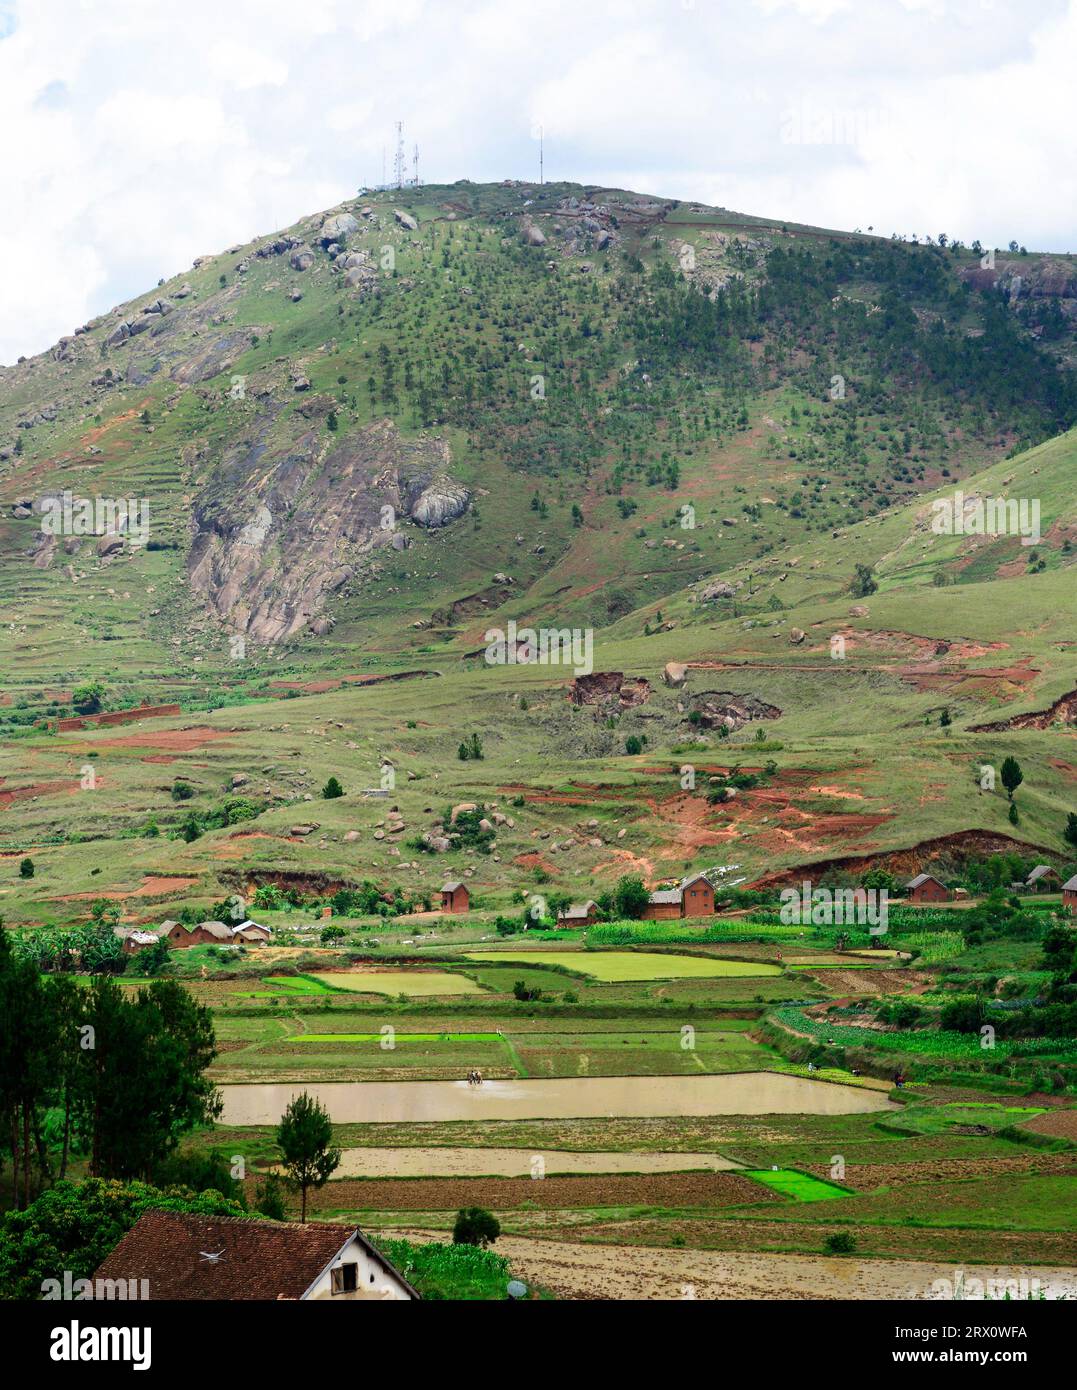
(224, 1259)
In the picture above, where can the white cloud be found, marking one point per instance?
(148, 134)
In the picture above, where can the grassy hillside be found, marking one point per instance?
(654, 400)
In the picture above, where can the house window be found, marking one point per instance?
(345, 1278)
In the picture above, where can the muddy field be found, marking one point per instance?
(512, 1163)
(577, 1271)
(548, 1194)
(735, 1093)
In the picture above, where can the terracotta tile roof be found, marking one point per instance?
(255, 1259)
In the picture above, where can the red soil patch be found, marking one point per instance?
(158, 758)
(179, 740)
(904, 862)
(533, 860)
(154, 886)
(625, 861)
(99, 431)
(41, 789)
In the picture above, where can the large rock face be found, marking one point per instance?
(285, 522)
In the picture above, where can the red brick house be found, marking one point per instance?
(694, 898)
(925, 888)
(1069, 893)
(455, 897)
(697, 897)
(663, 905)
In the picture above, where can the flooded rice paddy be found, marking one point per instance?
(612, 1097)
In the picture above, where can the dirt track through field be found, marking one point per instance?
(643, 1272)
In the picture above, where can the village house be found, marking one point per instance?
(455, 897)
(578, 915)
(221, 1259)
(1069, 893)
(135, 938)
(662, 905)
(697, 897)
(925, 888)
(1043, 879)
(178, 936)
(693, 898)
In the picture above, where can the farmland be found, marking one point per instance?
(807, 686)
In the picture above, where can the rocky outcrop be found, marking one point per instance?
(675, 674)
(717, 589)
(723, 707)
(406, 220)
(289, 519)
(439, 503)
(609, 687)
(531, 235)
(337, 228)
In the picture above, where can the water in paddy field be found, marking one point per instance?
(556, 1098)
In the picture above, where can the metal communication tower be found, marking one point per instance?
(400, 161)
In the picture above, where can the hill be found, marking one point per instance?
(366, 440)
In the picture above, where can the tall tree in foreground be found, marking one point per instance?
(304, 1137)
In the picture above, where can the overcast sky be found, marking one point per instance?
(138, 134)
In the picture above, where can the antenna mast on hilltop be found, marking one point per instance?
(541, 170)
(415, 167)
(400, 162)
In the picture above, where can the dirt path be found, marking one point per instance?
(512, 1163)
(642, 1272)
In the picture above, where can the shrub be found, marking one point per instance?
(840, 1243)
(475, 1226)
(332, 789)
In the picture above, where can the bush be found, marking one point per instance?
(475, 1226)
(269, 1198)
(841, 1243)
(332, 790)
(26, 868)
(182, 791)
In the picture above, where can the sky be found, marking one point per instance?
(139, 134)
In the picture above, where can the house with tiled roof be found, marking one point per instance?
(1069, 893)
(1043, 879)
(223, 1259)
